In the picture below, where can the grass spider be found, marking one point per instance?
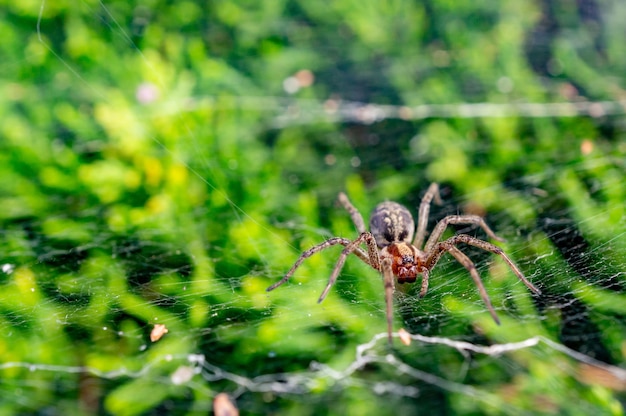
(392, 250)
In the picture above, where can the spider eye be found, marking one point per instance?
(406, 259)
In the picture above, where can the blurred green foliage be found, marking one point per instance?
(145, 178)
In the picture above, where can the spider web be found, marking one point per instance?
(174, 193)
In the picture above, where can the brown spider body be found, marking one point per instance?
(392, 250)
(392, 226)
(406, 261)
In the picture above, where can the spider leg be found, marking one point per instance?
(424, 288)
(328, 243)
(388, 282)
(458, 219)
(372, 249)
(422, 218)
(356, 216)
(437, 251)
(373, 260)
(471, 268)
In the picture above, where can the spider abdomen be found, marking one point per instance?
(391, 222)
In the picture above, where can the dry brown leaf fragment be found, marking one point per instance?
(405, 337)
(157, 332)
(223, 406)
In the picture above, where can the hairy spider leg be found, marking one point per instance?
(357, 219)
(424, 288)
(388, 281)
(385, 264)
(449, 245)
(424, 210)
(356, 216)
(374, 260)
(458, 219)
(471, 268)
(473, 241)
(315, 249)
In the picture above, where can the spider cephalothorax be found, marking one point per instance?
(406, 261)
(392, 250)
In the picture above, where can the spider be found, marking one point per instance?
(392, 250)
